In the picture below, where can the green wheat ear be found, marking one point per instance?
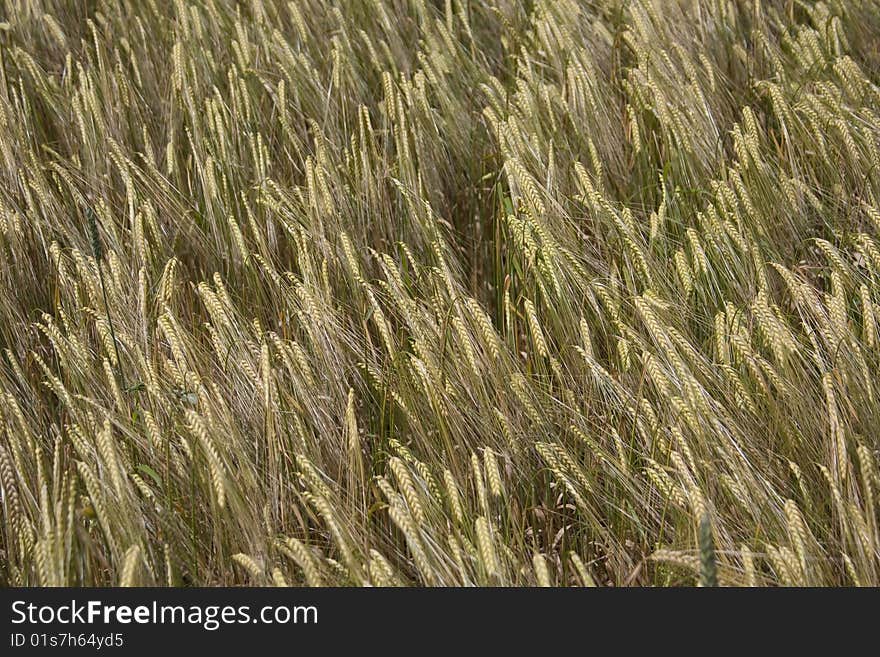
(97, 247)
(708, 567)
(98, 252)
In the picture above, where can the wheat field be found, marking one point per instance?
(440, 293)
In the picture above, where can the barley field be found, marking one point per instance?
(440, 293)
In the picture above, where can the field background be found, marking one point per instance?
(401, 292)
